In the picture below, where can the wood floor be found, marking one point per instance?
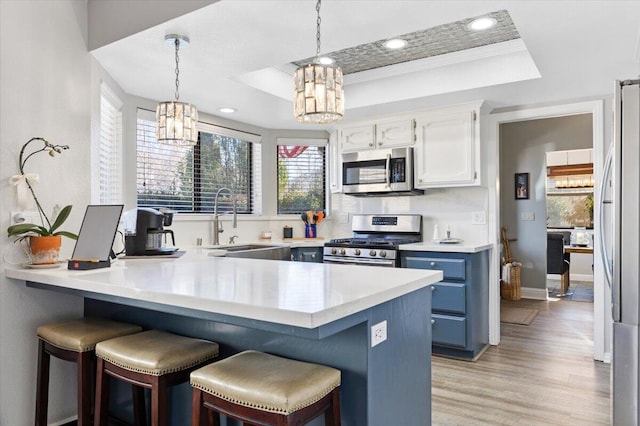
(541, 374)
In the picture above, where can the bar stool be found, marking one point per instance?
(152, 359)
(73, 341)
(258, 388)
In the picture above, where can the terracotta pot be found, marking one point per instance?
(45, 250)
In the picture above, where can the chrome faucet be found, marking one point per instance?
(217, 226)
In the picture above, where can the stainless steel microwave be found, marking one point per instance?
(378, 172)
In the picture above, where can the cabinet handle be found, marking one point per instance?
(293, 258)
(433, 288)
(313, 256)
(370, 143)
(433, 264)
(433, 321)
(379, 143)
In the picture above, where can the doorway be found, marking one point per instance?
(524, 147)
(596, 111)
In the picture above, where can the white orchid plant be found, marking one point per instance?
(24, 182)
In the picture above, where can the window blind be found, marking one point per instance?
(110, 147)
(187, 178)
(301, 175)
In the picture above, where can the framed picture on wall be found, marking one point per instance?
(522, 186)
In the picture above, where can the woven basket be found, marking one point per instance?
(511, 290)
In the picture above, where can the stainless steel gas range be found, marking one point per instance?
(375, 240)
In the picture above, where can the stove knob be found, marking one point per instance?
(356, 252)
(383, 253)
(334, 250)
(343, 251)
(372, 253)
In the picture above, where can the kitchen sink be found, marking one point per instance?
(257, 251)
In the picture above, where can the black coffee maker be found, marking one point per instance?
(144, 233)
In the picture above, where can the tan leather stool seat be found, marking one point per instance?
(154, 360)
(82, 335)
(73, 341)
(156, 352)
(266, 382)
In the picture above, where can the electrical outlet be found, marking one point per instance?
(378, 333)
(527, 216)
(344, 217)
(478, 218)
(24, 217)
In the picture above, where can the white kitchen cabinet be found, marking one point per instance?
(557, 158)
(395, 133)
(579, 156)
(357, 138)
(571, 157)
(447, 150)
(335, 165)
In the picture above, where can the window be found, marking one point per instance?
(186, 179)
(301, 175)
(110, 148)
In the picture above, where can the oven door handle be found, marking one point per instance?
(361, 261)
(388, 170)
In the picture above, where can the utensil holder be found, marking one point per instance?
(310, 230)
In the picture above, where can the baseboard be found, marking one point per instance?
(67, 421)
(533, 293)
(573, 277)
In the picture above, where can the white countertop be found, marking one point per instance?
(449, 248)
(291, 293)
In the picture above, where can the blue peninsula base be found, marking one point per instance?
(389, 384)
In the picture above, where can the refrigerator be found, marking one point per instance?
(622, 261)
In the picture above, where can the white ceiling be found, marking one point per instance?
(241, 49)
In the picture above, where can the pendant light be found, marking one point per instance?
(318, 93)
(176, 122)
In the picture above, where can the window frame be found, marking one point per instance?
(320, 142)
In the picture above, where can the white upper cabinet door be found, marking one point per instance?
(395, 133)
(557, 158)
(357, 138)
(447, 149)
(335, 165)
(579, 156)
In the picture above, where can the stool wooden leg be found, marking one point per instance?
(139, 406)
(159, 401)
(42, 386)
(102, 395)
(332, 415)
(84, 388)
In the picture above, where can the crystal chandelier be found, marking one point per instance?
(176, 122)
(318, 93)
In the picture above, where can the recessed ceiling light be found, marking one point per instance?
(227, 110)
(395, 43)
(481, 24)
(325, 60)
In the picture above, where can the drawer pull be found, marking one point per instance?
(433, 263)
(433, 321)
(433, 288)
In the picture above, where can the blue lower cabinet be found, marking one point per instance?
(449, 330)
(460, 303)
(306, 254)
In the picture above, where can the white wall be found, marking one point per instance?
(44, 81)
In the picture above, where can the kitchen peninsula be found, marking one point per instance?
(314, 312)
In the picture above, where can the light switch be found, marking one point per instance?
(527, 216)
(478, 218)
